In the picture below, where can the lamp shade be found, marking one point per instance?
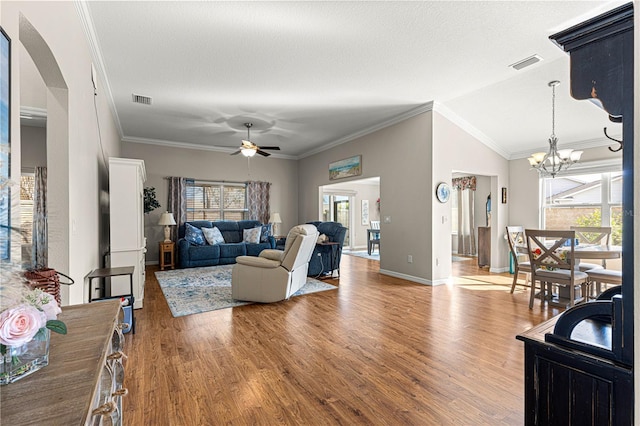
(166, 219)
(275, 218)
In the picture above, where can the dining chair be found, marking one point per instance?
(375, 236)
(600, 276)
(598, 235)
(551, 254)
(515, 237)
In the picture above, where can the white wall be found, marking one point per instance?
(33, 147)
(483, 189)
(456, 150)
(161, 162)
(77, 173)
(401, 156)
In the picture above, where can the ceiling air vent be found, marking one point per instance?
(140, 99)
(526, 62)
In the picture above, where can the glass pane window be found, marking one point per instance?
(584, 200)
(216, 201)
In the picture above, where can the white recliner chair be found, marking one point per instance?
(275, 274)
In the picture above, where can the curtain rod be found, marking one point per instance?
(214, 180)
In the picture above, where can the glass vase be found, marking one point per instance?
(17, 362)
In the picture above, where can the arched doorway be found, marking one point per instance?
(57, 143)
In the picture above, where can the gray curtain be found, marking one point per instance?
(177, 203)
(258, 200)
(466, 190)
(39, 243)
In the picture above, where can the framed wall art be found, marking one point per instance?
(365, 212)
(348, 167)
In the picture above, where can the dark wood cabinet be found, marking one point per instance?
(579, 366)
(484, 246)
(565, 387)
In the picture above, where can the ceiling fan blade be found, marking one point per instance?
(264, 154)
(275, 148)
(236, 153)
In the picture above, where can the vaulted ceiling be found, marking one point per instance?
(312, 74)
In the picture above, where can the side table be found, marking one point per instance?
(167, 250)
(106, 290)
(335, 255)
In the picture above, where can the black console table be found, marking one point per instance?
(579, 366)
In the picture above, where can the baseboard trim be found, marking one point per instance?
(499, 270)
(412, 278)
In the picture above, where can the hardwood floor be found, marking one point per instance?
(378, 351)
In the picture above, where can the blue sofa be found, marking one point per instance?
(320, 265)
(191, 255)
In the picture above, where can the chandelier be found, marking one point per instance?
(554, 161)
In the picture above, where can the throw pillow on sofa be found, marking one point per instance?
(194, 235)
(252, 235)
(265, 233)
(213, 235)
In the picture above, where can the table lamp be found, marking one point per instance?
(167, 219)
(275, 219)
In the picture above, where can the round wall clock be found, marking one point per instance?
(443, 192)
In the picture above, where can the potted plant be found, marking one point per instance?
(150, 202)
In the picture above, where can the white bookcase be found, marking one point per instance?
(126, 207)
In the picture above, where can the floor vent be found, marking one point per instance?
(526, 62)
(140, 99)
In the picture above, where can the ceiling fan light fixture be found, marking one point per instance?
(248, 152)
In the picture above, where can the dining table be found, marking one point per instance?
(373, 237)
(581, 251)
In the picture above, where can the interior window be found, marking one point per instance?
(584, 200)
(216, 201)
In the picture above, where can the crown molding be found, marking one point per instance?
(360, 133)
(96, 55)
(185, 145)
(469, 128)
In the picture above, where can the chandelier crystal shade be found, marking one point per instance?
(554, 161)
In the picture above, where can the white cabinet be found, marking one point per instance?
(126, 208)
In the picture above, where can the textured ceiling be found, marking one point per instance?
(312, 74)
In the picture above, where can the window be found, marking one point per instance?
(216, 201)
(584, 200)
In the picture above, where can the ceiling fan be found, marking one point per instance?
(249, 149)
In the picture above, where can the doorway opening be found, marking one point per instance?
(354, 204)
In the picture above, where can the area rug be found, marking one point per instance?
(459, 259)
(363, 254)
(195, 290)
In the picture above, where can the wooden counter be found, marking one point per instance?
(62, 392)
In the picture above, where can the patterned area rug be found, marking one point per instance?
(195, 290)
(373, 256)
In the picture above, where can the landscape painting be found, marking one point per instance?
(348, 167)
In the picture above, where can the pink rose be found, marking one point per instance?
(51, 309)
(20, 324)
